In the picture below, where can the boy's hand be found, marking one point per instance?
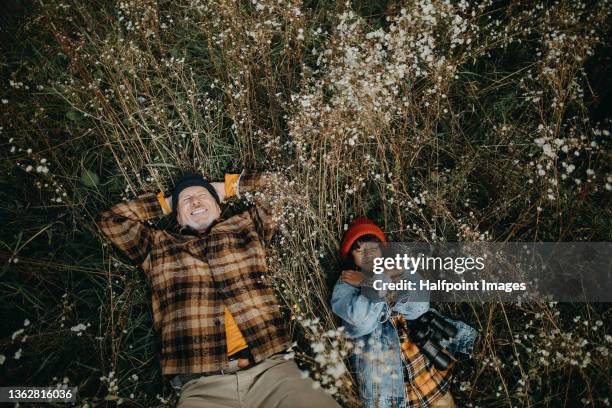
(353, 278)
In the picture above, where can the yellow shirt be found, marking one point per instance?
(234, 338)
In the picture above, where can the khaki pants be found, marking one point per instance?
(274, 382)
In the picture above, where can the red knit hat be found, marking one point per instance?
(359, 227)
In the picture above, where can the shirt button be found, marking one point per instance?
(217, 322)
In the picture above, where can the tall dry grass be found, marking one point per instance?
(455, 121)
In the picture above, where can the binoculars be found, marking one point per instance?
(426, 332)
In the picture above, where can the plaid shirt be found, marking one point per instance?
(194, 277)
(425, 384)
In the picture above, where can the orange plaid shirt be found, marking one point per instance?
(195, 277)
(424, 383)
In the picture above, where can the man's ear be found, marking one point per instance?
(220, 210)
(178, 217)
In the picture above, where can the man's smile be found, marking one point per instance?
(199, 211)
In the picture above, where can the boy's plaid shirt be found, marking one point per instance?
(424, 383)
(193, 277)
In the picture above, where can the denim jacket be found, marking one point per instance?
(377, 360)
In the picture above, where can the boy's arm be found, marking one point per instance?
(411, 310)
(412, 303)
(358, 312)
(125, 226)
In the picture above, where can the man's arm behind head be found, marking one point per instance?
(125, 225)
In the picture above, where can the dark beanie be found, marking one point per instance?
(190, 180)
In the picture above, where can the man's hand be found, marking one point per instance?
(219, 187)
(353, 278)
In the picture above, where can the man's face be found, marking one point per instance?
(197, 208)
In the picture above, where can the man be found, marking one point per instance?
(223, 336)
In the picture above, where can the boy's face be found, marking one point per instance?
(365, 253)
(197, 208)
